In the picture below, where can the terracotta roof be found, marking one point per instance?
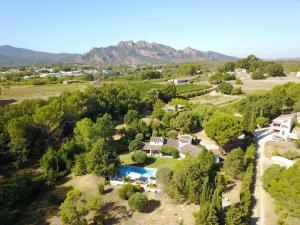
(148, 147)
(172, 143)
(156, 139)
(193, 150)
(185, 138)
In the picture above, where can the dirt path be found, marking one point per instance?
(264, 209)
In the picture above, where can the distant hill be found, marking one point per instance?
(124, 53)
(10, 55)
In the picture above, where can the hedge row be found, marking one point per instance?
(196, 93)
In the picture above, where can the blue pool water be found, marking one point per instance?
(145, 172)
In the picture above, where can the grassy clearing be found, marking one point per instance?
(21, 92)
(216, 99)
(153, 162)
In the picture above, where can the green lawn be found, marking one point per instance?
(152, 162)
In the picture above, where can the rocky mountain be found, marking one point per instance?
(124, 53)
(145, 52)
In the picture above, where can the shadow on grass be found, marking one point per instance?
(151, 206)
(108, 190)
(43, 208)
(115, 213)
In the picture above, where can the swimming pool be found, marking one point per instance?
(144, 172)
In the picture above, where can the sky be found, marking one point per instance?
(266, 28)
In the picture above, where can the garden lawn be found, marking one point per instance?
(152, 162)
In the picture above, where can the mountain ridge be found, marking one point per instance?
(125, 52)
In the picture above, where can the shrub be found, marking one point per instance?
(100, 188)
(139, 137)
(258, 75)
(170, 151)
(225, 88)
(236, 91)
(238, 81)
(139, 157)
(229, 76)
(137, 201)
(216, 78)
(164, 175)
(172, 134)
(135, 145)
(127, 190)
(297, 143)
(290, 155)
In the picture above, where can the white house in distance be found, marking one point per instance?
(183, 80)
(284, 124)
(240, 72)
(298, 74)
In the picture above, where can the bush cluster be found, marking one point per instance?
(128, 189)
(170, 151)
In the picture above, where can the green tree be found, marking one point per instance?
(258, 75)
(233, 165)
(168, 92)
(105, 127)
(158, 111)
(274, 70)
(139, 157)
(22, 135)
(167, 150)
(216, 78)
(131, 117)
(234, 216)
(223, 128)
(152, 96)
(137, 201)
(80, 167)
(135, 145)
(261, 121)
(50, 165)
(225, 88)
(186, 122)
(102, 159)
(49, 118)
(84, 133)
(227, 67)
(128, 189)
(73, 209)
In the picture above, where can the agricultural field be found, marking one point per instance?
(250, 86)
(216, 99)
(21, 92)
(185, 88)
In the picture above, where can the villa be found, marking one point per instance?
(240, 72)
(183, 144)
(283, 125)
(182, 80)
(173, 108)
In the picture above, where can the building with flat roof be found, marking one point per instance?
(283, 125)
